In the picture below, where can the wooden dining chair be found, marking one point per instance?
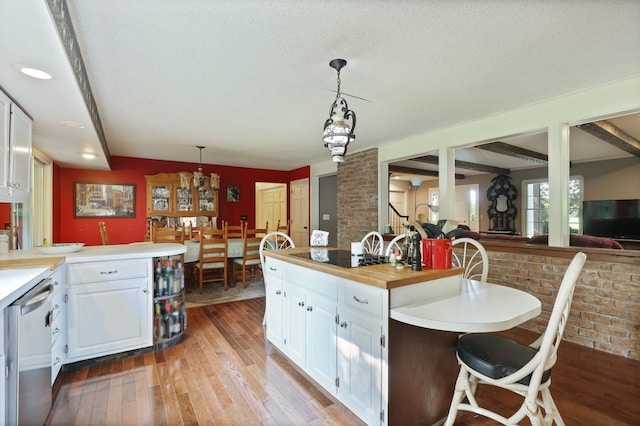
(212, 265)
(208, 229)
(103, 233)
(284, 228)
(167, 234)
(248, 265)
(234, 231)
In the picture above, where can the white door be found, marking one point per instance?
(466, 205)
(300, 212)
(271, 204)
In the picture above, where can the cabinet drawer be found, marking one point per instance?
(361, 297)
(107, 271)
(58, 357)
(324, 284)
(274, 268)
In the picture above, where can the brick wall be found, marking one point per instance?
(357, 181)
(605, 313)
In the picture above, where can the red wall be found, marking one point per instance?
(5, 214)
(127, 170)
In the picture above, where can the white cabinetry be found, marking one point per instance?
(362, 351)
(274, 299)
(3, 383)
(109, 307)
(309, 325)
(335, 330)
(59, 346)
(15, 153)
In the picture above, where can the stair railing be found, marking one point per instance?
(397, 220)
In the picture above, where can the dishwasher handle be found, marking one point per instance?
(37, 299)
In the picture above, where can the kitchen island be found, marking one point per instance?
(337, 324)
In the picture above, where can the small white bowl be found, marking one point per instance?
(60, 248)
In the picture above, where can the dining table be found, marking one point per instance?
(235, 248)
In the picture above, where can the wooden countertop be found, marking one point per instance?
(382, 276)
(50, 263)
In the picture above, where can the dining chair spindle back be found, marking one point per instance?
(247, 266)
(212, 264)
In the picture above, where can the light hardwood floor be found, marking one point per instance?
(224, 372)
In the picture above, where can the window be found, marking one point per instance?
(537, 206)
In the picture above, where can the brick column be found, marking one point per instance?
(357, 197)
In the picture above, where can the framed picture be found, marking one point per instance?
(233, 194)
(104, 200)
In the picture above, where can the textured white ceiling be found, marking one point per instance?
(250, 80)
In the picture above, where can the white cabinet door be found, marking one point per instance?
(5, 120)
(274, 300)
(362, 329)
(360, 365)
(274, 290)
(294, 332)
(108, 317)
(20, 154)
(320, 339)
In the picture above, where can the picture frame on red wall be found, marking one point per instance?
(104, 200)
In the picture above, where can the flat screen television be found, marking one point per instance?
(611, 218)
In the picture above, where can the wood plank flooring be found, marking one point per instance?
(224, 372)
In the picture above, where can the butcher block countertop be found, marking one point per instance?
(49, 262)
(382, 275)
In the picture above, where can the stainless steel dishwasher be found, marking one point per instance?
(28, 351)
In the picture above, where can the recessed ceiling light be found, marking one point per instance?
(35, 73)
(73, 124)
(88, 155)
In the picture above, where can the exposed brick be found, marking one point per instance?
(612, 331)
(605, 313)
(614, 276)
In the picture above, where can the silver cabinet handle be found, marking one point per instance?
(309, 308)
(278, 292)
(300, 303)
(108, 272)
(343, 324)
(55, 331)
(56, 361)
(364, 302)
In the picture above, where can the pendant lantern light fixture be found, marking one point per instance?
(338, 133)
(202, 182)
(199, 180)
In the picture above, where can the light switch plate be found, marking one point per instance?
(325, 217)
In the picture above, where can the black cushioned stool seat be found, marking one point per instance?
(496, 356)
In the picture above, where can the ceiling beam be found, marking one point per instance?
(515, 151)
(611, 134)
(420, 172)
(433, 159)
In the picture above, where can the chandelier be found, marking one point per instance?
(202, 182)
(337, 131)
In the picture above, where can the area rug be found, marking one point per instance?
(213, 293)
